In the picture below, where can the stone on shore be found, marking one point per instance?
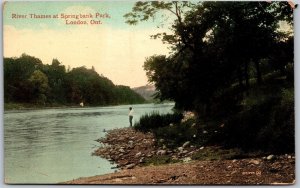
(134, 147)
(270, 157)
(187, 143)
(161, 152)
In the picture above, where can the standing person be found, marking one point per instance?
(130, 116)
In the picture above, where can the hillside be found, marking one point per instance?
(146, 91)
(28, 81)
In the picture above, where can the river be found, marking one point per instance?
(55, 145)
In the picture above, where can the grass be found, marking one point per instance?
(159, 160)
(154, 120)
(214, 153)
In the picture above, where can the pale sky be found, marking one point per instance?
(114, 48)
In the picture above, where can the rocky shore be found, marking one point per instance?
(130, 148)
(134, 152)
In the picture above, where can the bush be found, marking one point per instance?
(175, 135)
(279, 134)
(155, 120)
(267, 126)
(169, 129)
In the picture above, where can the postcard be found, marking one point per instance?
(149, 92)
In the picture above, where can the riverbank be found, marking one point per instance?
(31, 106)
(142, 161)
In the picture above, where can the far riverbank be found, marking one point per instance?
(31, 106)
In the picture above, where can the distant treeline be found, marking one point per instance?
(28, 80)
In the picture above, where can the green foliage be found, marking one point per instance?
(125, 95)
(215, 45)
(172, 133)
(268, 125)
(16, 74)
(143, 11)
(27, 80)
(211, 153)
(56, 74)
(38, 82)
(154, 120)
(159, 160)
(230, 62)
(176, 134)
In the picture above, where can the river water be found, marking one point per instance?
(55, 145)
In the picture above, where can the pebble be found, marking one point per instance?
(118, 180)
(270, 157)
(187, 159)
(180, 149)
(130, 166)
(253, 161)
(133, 177)
(202, 147)
(121, 150)
(142, 160)
(138, 154)
(161, 152)
(187, 143)
(130, 142)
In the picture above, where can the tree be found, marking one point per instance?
(39, 86)
(16, 74)
(214, 45)
(56, 73)
(27, 80)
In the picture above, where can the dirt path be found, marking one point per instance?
(244, 171)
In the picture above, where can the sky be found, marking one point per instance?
(115, 49)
